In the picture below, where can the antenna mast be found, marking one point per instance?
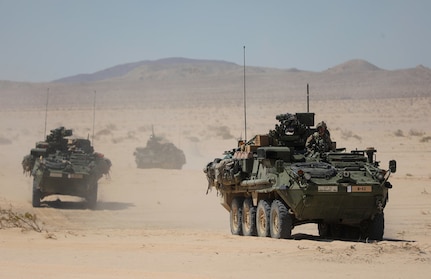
(46, 110)
(245, 106)
(94, 116)
(308, 99)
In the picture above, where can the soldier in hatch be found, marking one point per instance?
(320, 141)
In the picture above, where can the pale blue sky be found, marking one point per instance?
(43, 40)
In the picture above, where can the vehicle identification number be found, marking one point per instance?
(76, 175)
(360, 189)
(55, 174)
(331, 189)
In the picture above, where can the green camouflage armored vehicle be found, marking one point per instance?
(159, 154)
(61, 165)
(272, 184)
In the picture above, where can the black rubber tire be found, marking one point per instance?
(248, 218)
(324, 230)
(336, 231)
(262, 218)
(236, 216)
(377, 227)
(280, 221)
(352, 232)
(36, 195)
(92, 196)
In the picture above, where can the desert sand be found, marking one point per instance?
(155, 223)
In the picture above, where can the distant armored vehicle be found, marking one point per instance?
(159, 154)
(61, 165)
(272, 184)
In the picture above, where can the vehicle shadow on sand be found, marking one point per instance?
(82, 205)
(301, 236)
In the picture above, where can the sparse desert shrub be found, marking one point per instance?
(416, 133)
(349, 134)
(11, 219)
(399, 133)
(117, 140)
(103, 132)
(222, 131)
(5, 140)
(426, 139)
(131, 135)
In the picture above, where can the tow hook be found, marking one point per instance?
(380, 206)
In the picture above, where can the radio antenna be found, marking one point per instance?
(94, 116)
(46, 110)
(308, 99)
(245, 106)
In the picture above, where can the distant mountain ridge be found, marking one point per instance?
(123, 69)
(193, 82)
(355, 65)
(118, 71)
(103, 74)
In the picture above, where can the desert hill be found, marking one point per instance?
(355, 65)
(184, 81)
(147, 66)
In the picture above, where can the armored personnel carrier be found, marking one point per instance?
(61, 165)
(159, 154)
(272, 184)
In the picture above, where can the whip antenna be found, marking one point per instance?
(46, 110)
(308, 99)
(94, 115)
(245, 106)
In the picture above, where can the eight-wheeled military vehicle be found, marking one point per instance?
(272, 183)
(62, 165)
(159, 153)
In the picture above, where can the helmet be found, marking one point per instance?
(321, 124)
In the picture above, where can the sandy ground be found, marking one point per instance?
(154, 223)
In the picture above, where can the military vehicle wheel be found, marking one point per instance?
(36, 196)
(280, 221)
(262, 218)
(324, 230)
(235, 216)
(248, 218)
(92, 196)
(351, 232)
(376, 227)
(336, 231)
